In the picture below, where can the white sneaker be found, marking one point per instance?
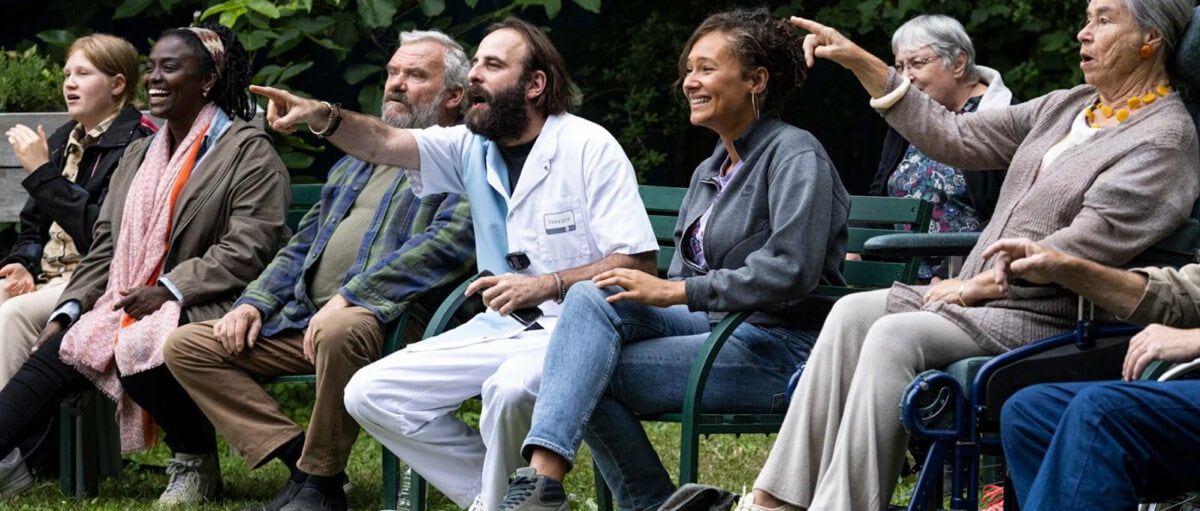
(746, 503)
(195, 478)
(14, 476)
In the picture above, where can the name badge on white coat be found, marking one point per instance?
(558, 223)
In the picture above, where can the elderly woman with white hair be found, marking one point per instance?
(1101, 171)
(935, 53)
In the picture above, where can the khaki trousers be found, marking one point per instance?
(842, 444)
(22, 319)
(229, 388)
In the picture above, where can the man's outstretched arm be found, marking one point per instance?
(361, 136)
(1172, 297)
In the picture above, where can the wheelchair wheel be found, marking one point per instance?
(934, 399)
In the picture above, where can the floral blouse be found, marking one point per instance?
(945, 187)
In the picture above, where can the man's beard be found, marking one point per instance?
(506, 117)
(413, 117)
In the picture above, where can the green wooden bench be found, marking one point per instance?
(89, 448)
(877, 212)
(886, 215)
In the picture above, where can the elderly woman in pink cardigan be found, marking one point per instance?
(1091, 172)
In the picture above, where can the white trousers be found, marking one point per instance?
(22, 319)
(407, 400)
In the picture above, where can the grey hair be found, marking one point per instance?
(944, 34)
(1168, 17)
(456, 62)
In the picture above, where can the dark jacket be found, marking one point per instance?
(778, 231)
(75, 206)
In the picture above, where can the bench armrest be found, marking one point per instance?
(937, 244)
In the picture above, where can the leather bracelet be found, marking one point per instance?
(562, 287)
(961, 287)
(332, 123)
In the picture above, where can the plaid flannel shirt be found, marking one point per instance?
(412, 246)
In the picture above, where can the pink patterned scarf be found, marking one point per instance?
(97, 340)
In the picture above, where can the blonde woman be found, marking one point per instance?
(68, 174)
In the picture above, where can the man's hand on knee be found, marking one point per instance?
(334, 304)
(239, 328)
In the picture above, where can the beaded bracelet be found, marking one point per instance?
(332, 123)
(562, 287)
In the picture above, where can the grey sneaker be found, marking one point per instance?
(528, 491)
(14, 477)
(195, 478)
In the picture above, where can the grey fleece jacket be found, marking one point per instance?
(776, 233)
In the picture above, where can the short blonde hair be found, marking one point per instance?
(113, 56)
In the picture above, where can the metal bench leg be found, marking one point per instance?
(604, 498)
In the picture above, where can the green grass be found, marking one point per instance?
(726, 461)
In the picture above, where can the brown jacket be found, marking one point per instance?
(227, 224)
(1107, 199)
(1172, 297)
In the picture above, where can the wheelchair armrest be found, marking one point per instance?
(1162, 370)
(1054, 359)
(936, 244)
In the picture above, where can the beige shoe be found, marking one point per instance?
(746, 503)
(195, 478)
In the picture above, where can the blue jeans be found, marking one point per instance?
(1100, 445)
(609, 363)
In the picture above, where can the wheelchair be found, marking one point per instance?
(957, 409)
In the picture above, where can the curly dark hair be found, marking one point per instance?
(231, 91)
(757, 40)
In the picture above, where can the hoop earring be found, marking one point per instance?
(1146, 51)
(754, 104)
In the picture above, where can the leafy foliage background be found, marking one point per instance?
(621, 53)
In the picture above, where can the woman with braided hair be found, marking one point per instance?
(194, 214)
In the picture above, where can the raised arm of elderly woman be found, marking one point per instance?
(1099, 187)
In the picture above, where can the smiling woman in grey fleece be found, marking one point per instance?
(762, 225)
(1098, 187)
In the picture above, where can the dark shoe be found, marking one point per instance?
(289, 492)
(14, 477)
(528, 491)
(311, 498)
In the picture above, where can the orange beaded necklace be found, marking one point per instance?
(1132, 103)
